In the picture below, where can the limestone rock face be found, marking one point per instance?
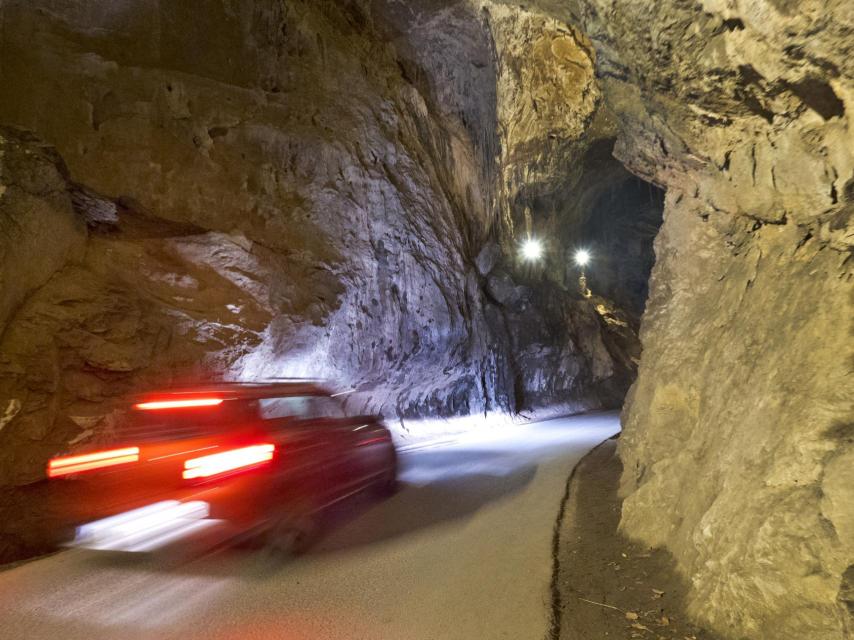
(39, 231)
(267, 190)
(528, 98)
(546, 98)
(742, 111)
(135, 301)
(338, 190)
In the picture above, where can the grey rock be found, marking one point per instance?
(503, 289)
(488, 258)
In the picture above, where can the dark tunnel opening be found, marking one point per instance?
(606, 212)
(620, 230)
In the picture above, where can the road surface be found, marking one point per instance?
(463, 550)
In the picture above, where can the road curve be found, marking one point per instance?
(463, 550)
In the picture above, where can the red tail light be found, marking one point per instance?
(178, 404)
(89, 461)
(226, 461)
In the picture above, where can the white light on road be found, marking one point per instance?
(582, 257)
(532, 249)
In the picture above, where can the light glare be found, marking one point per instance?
(86, 462)
(217, 463)
(178, 404)
(532, 249)
(582, 257)
(146, 528)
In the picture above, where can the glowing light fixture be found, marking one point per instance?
(89, 461)
(532, 249)
(226, 461)
(582, 257)
(178, 404)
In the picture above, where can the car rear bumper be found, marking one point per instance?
(144, 519)
(148, 528)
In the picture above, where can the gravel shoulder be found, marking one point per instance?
(606, 585)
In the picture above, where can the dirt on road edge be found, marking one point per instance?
(605, 586)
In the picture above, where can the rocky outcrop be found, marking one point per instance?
(137, 302)
(268, 191)
(742, 111)
(39, 230)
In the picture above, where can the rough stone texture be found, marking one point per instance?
(546, 98)
(338, 177)
(137, 300)
(527, 97)
(39, 231)
(268, 192)
(737, 442)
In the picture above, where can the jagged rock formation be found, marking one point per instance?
(105, 300)
(266, 190)
(742, 111)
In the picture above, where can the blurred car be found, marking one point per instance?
(258, 460)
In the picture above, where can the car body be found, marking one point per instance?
(261, 458)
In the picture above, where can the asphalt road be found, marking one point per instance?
(463, 550)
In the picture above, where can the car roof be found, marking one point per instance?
(238, 390)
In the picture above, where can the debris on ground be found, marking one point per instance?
(610, 587)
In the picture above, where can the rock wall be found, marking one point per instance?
(337, 189)
(260, 189)
(108, 301)
(737, 442)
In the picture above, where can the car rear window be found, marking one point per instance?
(284, 407)
(304, 407)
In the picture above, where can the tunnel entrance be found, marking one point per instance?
(617, 216)
(622, 225)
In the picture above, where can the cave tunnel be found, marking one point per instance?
(381, 208)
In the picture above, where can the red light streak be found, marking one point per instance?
(86, 462)
(178, 404)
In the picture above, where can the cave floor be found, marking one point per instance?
(611, 587)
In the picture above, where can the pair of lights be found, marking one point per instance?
(532, 249)
(202, 467)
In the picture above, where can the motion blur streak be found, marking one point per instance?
(420, 565)
(217, 463)
(178, 404)
(75, 464)
(146, 528)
